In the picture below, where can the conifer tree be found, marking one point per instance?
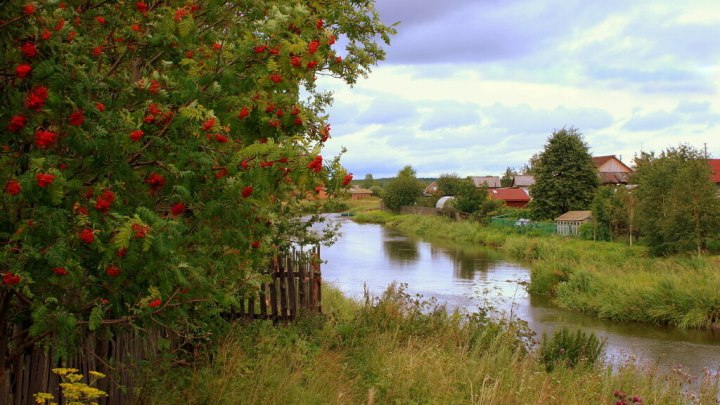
(565, 177)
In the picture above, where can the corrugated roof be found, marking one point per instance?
(614, 177)
(523, 180)
(491, 181)
(574, 216)
(508, 194)
(715, 167)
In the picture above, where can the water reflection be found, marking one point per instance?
(470, 277)
(399, 249)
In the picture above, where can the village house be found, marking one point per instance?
(512, 197)
(611, 170)
(488, 181)
(431, 189)
(715, 171)
(523, 181)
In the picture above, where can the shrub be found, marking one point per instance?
(154, 153)
(570, 349)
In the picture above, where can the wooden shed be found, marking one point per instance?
(569, 222)
(358, 193)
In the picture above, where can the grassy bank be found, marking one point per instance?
(397, 350)
(608, 280)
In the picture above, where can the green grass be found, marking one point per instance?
(608, 280)
(399, 350)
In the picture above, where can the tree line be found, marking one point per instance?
(670, 203)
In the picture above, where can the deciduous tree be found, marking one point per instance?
(153, 153)
(403, 190)
(678, 205)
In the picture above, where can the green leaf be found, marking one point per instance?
(96, 317)
(185, 27)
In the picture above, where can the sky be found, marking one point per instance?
(472, 87)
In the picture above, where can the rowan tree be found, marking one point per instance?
(154, 152)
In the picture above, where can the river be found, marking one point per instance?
(467, 277)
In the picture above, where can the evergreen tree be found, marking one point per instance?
(565, 176)
(678, 205)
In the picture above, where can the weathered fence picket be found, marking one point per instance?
(294, 288)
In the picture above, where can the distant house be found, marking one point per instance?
(489, 181)
(569, 222)
(612, 170)
(523, 181)
(431, 189)
(715, 171)
(512, 197)
(358, 193)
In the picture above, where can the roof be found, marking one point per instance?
(614, 177)
(715, 168)
(358, 190)
(523, 180)
(575, 216)
(431, 188)
(508, 194)
(491, 181)
(598, 161)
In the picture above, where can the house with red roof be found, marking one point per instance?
(715, 171)
(512, 197)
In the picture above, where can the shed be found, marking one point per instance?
(358, 193)
(569, 222)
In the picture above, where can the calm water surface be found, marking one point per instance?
(469, 277)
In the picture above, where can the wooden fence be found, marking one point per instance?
(295, 288)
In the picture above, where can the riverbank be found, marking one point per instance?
(608, 280)
(395, 350)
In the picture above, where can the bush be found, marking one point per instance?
(570, 349)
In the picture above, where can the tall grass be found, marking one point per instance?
(398, 349)
(608, 280)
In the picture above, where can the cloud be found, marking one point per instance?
(451, 115)
(387, 109)
(524, 119)
(652, 121)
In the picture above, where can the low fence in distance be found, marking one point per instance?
(523, 225)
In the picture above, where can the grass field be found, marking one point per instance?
(399, 350)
